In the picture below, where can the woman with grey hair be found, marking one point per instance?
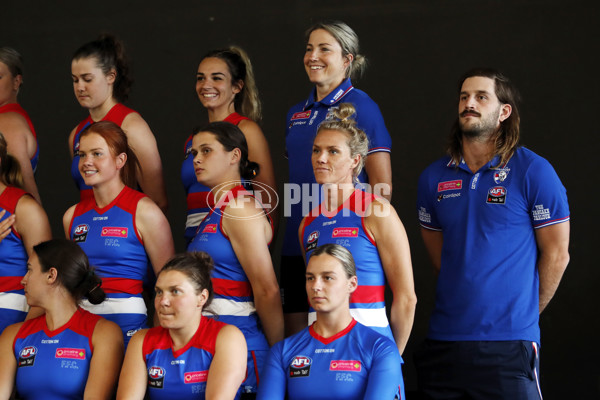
(331, 60)
(15, 123)
(336, 357)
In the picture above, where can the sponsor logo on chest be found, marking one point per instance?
(496, 195)
(27, 356)
(75, 354)
(345, 232)
(156, 377)
(80, 233)
(300, 367)
(114, 231)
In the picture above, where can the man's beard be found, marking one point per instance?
(484, 128)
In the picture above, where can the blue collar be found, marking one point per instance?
(332, 98)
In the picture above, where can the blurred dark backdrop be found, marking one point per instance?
(417, 50)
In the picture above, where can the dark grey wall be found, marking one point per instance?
(417, 50)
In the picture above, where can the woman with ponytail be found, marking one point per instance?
(67, 352)
(121, 230)
(101, 83)
(331, 60)
(365, 224)
(236, 234)
(23, 224)
(226, 88)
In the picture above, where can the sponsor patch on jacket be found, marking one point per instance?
(301, 115)
(344, 232)
(496, 195)
(450, 185)
(75, 354)
(345, 365)
(195, 376)
(80, 233)
(114, 231)
(210, 228)
(300, 367)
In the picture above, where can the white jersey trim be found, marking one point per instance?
(367, 316)
(14, 301)
(128, 305)
(193, 220)
(232, 308)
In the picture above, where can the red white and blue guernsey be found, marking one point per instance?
(13, 265)
(488, 285)
(116, 114)
(199, 198)
(111, 241)
(357, 363)
(346, 227)
(180, 374)
(55, 364)
(16, 108)
(233, 299)
(303, 121)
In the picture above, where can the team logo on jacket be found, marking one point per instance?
(496, 195)
(301, 115)
(195, 377)
(27, 356)
(76, 354)
(210, 228)
(300, 367)
(344, 232)
(114, 231)
(500, 176)
(450, 185)
(80, 233)
(156, 377)
(313, 240)
(345, 365)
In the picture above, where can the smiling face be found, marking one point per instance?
(177, 302)
(323, 60)
(9, 85)
(91, 86)
(327, 284)
(331, 158)
(214, 84)
(212, 163)
(479, 110)
(97, 164)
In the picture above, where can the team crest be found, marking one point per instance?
(500, 176)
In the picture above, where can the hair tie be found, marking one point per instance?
(94, 288)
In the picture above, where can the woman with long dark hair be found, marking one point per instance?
(66, 352)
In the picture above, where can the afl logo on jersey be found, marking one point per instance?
(312, 241)
(496, 195)
(300, 367)
(27, 356)
(80, 232)
(156, 377)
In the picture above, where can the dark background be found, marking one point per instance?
(417, 50)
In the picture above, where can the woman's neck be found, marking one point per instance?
(98, 113)
(331, 323)
(336, 194)
(106, 192)
(59, 309)
(324, 90)
(220, 113)
(182, 336)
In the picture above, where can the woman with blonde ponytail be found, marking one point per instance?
(67, 353)
(23, 224)
(226, 88)
(365, 224)
(331, 60)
